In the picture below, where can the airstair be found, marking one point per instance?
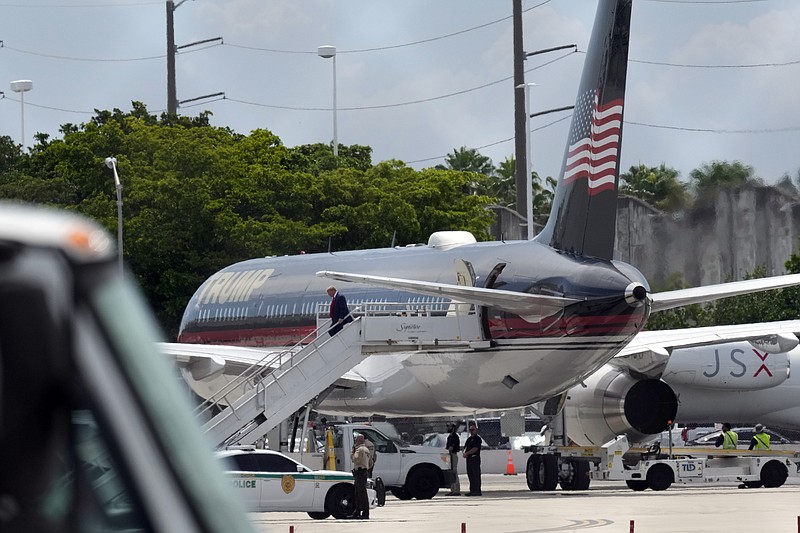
(272, 389)
(278, 386)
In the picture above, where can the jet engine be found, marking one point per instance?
(611, 403)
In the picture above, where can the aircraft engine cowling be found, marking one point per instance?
(611, 403)
(734, 366)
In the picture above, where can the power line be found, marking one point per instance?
(127, 4)
(100, 60)
(695, 65)
(690, 65)
(88, 59)
(633, 123)
(712, 130)
(401, 104)
(388, 47)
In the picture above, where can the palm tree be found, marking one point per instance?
(658, 186)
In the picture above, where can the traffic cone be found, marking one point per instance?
(510, 466)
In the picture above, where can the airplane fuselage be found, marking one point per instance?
(274, 302)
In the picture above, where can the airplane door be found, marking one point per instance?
(465, 276)
(484, 311)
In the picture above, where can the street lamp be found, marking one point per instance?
(21, 87)
(529, 179)
(329, 52)
(111, 162)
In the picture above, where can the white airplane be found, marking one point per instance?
(638, 394)
(552, 311)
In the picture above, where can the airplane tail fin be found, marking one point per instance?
(583, 216)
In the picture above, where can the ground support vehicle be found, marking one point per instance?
(266, 480)
(407, 471)
(575, 466)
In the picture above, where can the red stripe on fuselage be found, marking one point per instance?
(501, 328)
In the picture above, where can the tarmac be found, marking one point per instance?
(507, 506)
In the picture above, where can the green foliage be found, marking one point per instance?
(658, 186)
(717, 175)
(468, 160)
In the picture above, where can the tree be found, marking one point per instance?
(10, 153)
(468, 160)
(712, 177)
(658, 186)
(503, 187)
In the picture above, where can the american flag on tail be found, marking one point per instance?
(594, 142)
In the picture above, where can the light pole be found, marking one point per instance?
(111, 162)
(21, 87)
(529, 179)
(329, 52)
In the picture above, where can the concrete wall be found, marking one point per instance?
(716, 241)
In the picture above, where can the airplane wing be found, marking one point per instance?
(662, 301)
(649, 351)
(519, 303)
(525, 304)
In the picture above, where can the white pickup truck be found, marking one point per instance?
(407, 471)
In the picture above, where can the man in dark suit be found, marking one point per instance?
(340, 313)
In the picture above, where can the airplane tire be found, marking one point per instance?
(531, 469)
(659, 477)
(636, 484)
(579, 479)
(541, 472)
(774, 474)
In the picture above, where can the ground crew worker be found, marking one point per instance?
(760, 440)
(472, 453)
(728, 440)
(454, 446)
(360, 459)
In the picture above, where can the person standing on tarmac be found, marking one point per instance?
(454, 446)
(760, 440)
(728, 440)
(360, 459)
(472, 453)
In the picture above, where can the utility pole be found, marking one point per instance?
(172, 91)
(520, 135)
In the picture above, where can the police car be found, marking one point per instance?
(267, 480)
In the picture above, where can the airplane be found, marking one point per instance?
(639, 395)
(552, 310)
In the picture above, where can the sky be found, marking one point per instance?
(707, 80)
